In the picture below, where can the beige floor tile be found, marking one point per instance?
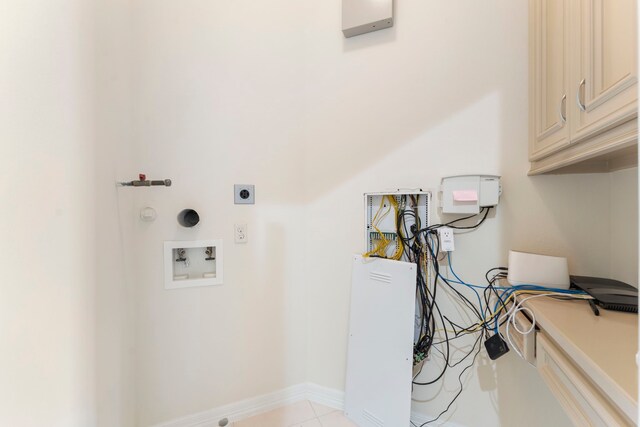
(282, 417)
(321, 410)
(310, 423)
(335, 419)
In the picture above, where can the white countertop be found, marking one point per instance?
(604, 347)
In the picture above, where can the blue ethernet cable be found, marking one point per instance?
(462, 282)
(507, 290)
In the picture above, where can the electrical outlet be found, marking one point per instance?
(446, 239)
(241, 233)
(244, 194)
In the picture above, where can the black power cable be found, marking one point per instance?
(422, 246)
(466, 368)
(429, 306)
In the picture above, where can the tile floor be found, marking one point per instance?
(300, 414)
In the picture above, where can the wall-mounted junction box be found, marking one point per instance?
(467, 194)
(192, 263)
(365, 16)
(380, 215)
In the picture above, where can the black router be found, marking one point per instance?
(608, 293)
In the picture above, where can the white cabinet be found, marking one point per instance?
(583, 402)
(587, 361)
(583, 85)
(606, 76)
(549, 62)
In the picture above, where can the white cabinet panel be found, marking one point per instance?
(606, 73)
(380, 355)
(583, 85)
(549, 62)
(583, 402)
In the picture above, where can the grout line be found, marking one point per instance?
(319, 415)
(316, 416)
(313, 411)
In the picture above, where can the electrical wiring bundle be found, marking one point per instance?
(486, 308)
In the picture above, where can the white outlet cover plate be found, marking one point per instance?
(446, 239)
(240, 231)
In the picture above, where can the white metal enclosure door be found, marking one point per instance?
(380, 355)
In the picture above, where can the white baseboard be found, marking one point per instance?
(267, 402)
(241, 409)
(325, 396)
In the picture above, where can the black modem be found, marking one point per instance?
(608, 293)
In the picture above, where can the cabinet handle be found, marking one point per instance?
(563, 109)
(581, 105)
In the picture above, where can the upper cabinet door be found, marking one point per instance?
(605, 76)
(549, 76)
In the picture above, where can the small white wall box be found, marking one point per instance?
(192, 263)
(365, 16)
(467, 194)
(380, 215)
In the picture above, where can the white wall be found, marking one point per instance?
(442, 93)
(215, 93)
(272, 94)
(624, 225)
(47, 374)
(217, 101)
(115, 257)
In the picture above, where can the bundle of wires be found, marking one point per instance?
(382, 243)
(517, 306)
(494, 305)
